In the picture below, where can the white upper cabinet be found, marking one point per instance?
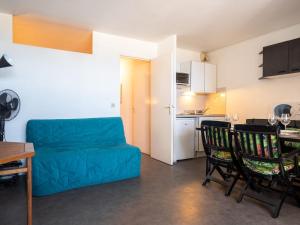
(197, 77)
(186, 67)
(210, 80)
(203, 76)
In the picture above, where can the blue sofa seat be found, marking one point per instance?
(75, 153)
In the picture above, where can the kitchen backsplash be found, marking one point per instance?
(188, 101)
(216, 102)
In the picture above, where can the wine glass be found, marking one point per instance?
(227, 118)
(272, 119)
(235, 117)
(285, 119)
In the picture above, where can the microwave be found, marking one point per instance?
(183, 79)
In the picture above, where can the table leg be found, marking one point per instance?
(29, 192)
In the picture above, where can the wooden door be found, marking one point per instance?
(141, 105)
(163, 87)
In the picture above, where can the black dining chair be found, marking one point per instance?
(259, 154)
(285, 146)
(217, 143)
(253, 121)
(257, 122)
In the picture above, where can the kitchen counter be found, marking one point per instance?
(198, 115)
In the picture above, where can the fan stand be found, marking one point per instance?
(7, 179)
(2, 125)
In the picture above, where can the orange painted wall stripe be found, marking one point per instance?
(37, 32)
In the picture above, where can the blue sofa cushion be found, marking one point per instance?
(65, 168)
(76, 132)
(79, 152)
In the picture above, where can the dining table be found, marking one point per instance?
(283, 137)
(290, 137)
(12, 151)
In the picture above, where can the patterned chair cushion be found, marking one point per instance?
(222, 140)
(222, 155)
(268, 168)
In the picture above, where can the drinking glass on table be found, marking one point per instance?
(235, 118)
(272, 119)
(227, 118)
(285, 119)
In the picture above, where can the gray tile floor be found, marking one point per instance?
(162, 195)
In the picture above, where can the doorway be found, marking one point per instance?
(135, 101)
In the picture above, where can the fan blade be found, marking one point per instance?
(3, 98)
(14, 104)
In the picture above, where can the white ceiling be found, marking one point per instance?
(199, 24)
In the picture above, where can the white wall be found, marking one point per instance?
(238, 71)
(61, 84)
(183, 55)
(5, 27)
(187, 102)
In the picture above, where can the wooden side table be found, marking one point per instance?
(10, 151)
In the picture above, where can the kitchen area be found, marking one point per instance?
(197, 99)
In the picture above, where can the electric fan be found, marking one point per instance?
(9, 108)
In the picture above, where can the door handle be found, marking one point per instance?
(170, 107)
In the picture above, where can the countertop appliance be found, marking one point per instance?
(183, 79)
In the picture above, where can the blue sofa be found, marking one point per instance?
(72, 153)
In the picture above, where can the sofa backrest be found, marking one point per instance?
(68, 132)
